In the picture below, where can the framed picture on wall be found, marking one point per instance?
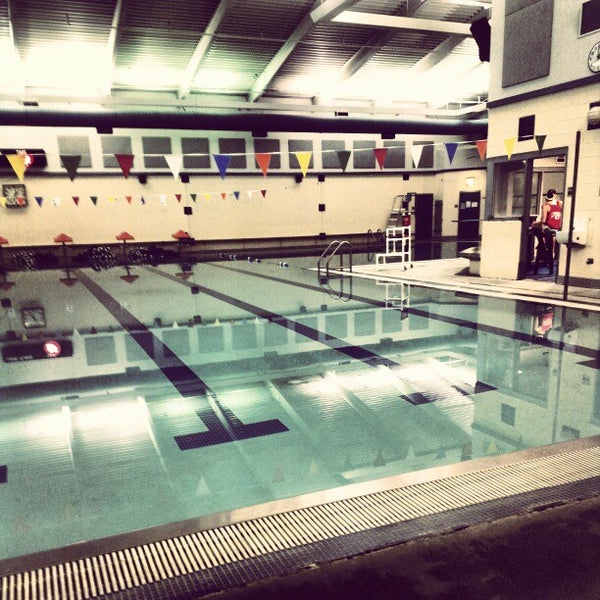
(33, 317)
(15, 195)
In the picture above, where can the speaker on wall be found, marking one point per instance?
(482, 33)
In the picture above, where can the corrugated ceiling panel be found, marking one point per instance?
(36, 22)
(268, 18)
(174, 48)
(182, 15)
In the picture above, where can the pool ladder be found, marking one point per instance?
(335, 248)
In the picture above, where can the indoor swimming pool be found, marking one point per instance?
(135, 398)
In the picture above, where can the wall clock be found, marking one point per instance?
(33, 317)
(593, 60)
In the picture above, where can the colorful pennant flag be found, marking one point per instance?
(416, 150)
(263, 160)
(17, 162)
(481, 148)
(39, 200)
(76, 200)
(222, 161)
(175, 162)
(264, 193)
(178, 196)
(94, 199)
(236, 195)
(71, 164)
(125, 162)
(509, 145)
(540, 140)
(451, 150)
(128, 198)
(193, 197)
(380, 154)
(304, 160)
(343, 157)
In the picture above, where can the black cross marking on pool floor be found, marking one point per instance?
(223, 426)
(3, 473)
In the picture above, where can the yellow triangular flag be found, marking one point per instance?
(303, 160)
(17, 162)
(509, 144)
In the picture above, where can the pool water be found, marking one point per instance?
(183, 393)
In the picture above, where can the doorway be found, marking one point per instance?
(518, 191)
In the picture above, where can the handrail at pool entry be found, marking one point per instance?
(332, 250)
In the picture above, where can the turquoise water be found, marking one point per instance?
(245, 382)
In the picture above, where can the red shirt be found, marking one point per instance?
(554, 214)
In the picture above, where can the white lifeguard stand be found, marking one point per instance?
(398, 234)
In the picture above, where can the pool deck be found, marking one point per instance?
(453, 273)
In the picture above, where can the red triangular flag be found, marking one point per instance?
(76, 200)
(481, 148)
(263, 192)
(380, 154)
(125, 162)
(263, 160)
(178, 196)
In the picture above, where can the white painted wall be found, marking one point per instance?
(355, 201)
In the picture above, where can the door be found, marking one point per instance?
(468, 220)
(423, 226)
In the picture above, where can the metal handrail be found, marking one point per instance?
(336, 245)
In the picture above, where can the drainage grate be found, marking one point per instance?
(154, 562)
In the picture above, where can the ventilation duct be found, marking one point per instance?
(238, 121)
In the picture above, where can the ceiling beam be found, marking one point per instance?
(378, 41)
(375, 20)
(323, 11)
(202, 48)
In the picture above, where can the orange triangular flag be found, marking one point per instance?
(125, 162)
(128, 198)
(17, 162)
(303, 160)
(481, 148)
(380, 154)
(223, 195)
(263, 160)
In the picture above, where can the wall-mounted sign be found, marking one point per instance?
(36, 349)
